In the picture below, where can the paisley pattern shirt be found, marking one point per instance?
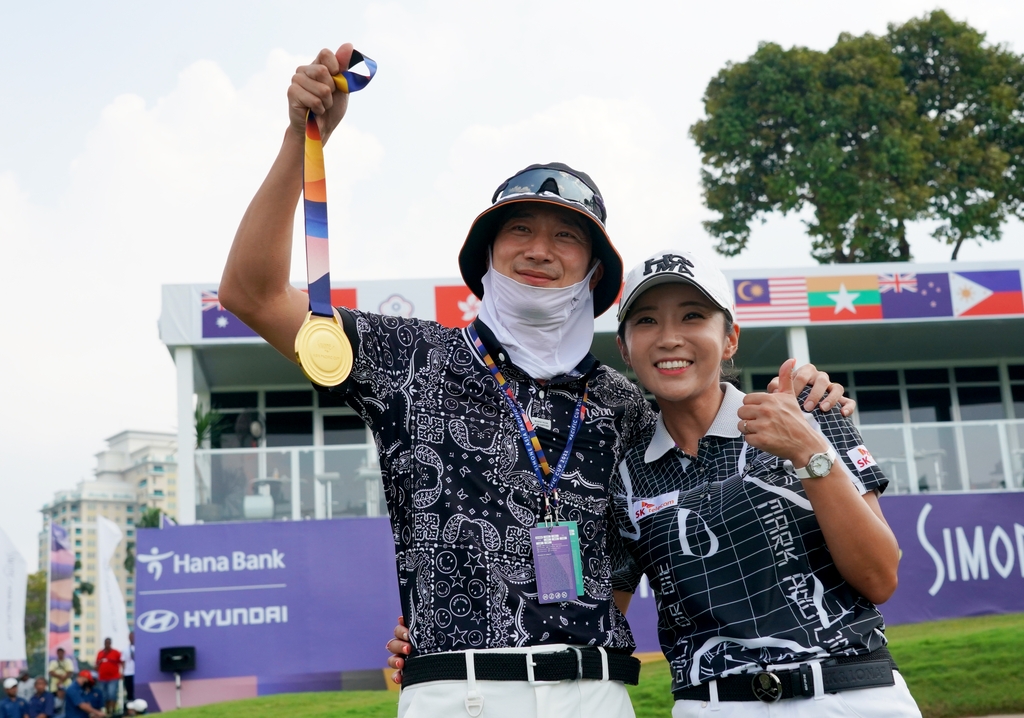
(461, 490)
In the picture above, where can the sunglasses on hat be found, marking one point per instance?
(563, 184)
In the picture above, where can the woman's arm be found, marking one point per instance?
(862, 545)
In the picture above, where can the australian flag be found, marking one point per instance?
(913, 296)
(219, 323)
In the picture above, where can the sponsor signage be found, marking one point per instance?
(963, 555)
(285, 605)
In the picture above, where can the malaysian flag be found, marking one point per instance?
(771, 300)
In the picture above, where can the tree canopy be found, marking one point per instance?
(922, 123)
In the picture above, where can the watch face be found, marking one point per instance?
(820, 465)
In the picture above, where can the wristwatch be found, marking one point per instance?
(819, 465)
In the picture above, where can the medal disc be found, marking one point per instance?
(323, 350)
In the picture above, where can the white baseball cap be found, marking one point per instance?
(10, 683)
(139, 705)
(678, 265)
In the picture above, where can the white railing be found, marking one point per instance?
(307, 482)
(288, 482)
(949, 456)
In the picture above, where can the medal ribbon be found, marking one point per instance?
(314, 194)
(548, 479)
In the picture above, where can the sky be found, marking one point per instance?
(132, 136)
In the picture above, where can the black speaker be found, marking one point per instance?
(178, 660)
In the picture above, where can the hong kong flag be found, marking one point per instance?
(456, 306)
(977, 294)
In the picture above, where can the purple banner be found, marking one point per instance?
(270, 607)
(963, 555)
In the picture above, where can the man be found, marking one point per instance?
(60, 670)
(12, 706)
(129, 669)
(41, 702)
(108, 666)
(79, 696)
(451, 412)
(25, 690)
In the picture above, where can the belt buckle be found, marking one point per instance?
(767, 687)
(530, 665)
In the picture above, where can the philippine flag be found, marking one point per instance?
(976, 294)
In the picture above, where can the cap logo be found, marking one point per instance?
(668, 263)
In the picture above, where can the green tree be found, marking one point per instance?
(859, 135)
(82, 588)
(35, 612)
(150, 519)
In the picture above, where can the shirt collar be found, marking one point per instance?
(586, 366)
(724, 425)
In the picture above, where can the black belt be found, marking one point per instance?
(565, 665)
(839, 673)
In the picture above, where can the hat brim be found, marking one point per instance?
(665, 278)
(473, 257)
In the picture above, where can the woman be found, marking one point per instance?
(763, 540)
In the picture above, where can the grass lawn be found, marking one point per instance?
(964, 667)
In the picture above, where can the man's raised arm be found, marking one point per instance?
(255, 286)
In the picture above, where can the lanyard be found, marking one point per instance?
(548, 479)
(314, 195)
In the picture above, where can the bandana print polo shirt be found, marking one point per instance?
(734, 553)
(461, 490)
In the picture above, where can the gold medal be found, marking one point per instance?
(323, 350)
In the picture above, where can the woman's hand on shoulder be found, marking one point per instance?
(776, 423)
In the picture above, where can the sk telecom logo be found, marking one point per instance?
(646, 507)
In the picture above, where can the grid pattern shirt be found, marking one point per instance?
(461, 490)
(734, 553)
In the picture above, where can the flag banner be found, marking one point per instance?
(455, 306)
(774, 300)
(844, 298)
(13, 585)
(62, 588)
(113, 618)
(978, 294)
(913, 296)
(219, 323)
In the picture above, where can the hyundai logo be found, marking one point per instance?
(157, 621)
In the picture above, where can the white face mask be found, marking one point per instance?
(545, 330)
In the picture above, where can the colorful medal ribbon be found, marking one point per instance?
(314, 194)
(548, 479)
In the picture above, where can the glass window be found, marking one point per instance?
(879, 407)
(877, 378)
(1016, 372)
(234, 400)
(926, 376)
(1017, 392)
(976, 373)
(978, 403)
(759, 382)
(288, 398)
(840, 377)
(929, 405)
(344, 430)
(290, 428)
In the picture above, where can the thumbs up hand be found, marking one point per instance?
(775, 422)
(824, 392)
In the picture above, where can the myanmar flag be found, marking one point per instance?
(844, 299)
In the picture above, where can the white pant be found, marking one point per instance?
(885, 702)
(516, 699)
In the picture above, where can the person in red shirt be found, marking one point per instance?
(108, 665)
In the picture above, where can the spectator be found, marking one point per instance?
(12, 706)
(77, 695)
(60, 670)
(25, 689)
(129, 669)
(108, 664)
(41, 702)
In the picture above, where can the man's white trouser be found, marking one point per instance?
(885, 702)
(515, 699)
